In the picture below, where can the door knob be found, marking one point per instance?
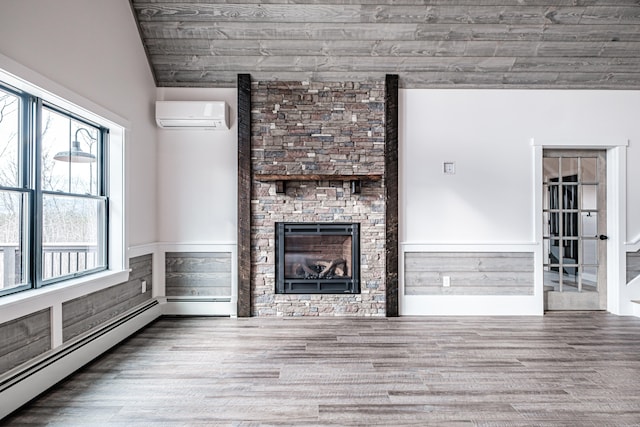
(603, 237)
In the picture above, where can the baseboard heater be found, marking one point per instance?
(198, 299)
(196, 305)
(39, 365)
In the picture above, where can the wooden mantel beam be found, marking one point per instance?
(317, 177)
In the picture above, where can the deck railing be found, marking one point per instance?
(8, 267)
(57, 260)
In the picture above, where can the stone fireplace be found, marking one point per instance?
(317, 156)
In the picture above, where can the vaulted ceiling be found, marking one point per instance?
(581, 44)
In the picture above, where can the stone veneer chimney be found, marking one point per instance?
(315, 130)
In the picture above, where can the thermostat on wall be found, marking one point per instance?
(449, 168)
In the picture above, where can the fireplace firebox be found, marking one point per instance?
(317, 258)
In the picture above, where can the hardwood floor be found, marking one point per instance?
(563, 369)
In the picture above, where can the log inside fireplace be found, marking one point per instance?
(317, 258)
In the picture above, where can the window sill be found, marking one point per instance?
(32, 300)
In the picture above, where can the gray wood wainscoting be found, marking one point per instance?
(27, 337)
(633, 265)
(85, 313)
(470, 273)
(198, 274)
(24, 338)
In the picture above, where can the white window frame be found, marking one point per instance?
(22, 303)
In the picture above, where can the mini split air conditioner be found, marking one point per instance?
(192, 114)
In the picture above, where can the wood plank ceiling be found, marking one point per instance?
(579, 44)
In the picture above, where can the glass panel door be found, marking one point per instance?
(574, 231)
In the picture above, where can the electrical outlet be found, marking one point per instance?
(144, 286)
(446, 281)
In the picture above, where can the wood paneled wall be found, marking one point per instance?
(592, 44)
(89, 311)
(198, 274)
(24, 338)
(471, 273)
(633, 265)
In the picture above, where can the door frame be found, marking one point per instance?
(616, 158)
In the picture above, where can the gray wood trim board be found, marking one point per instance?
(82, 314)
(24, 338)
(244, 195)
(470, 273)
(391, 194)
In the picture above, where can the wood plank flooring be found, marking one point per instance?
(563, 369)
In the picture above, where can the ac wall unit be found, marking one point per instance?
(192, 114)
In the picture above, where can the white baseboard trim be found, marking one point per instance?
(25, 383)
(471, 305)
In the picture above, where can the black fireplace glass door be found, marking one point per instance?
(317, 258)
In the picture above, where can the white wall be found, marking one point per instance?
(93, 49)
(88, 53)
(197, 178)
(490, 201)
(488, 133)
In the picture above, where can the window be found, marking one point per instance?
(53, 200)
(15, 199)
